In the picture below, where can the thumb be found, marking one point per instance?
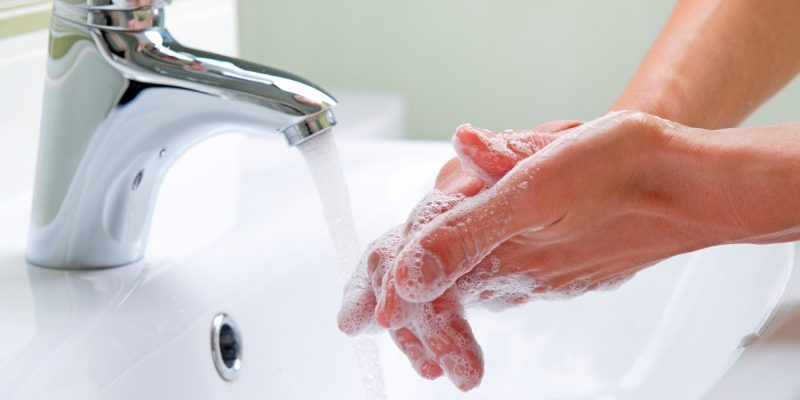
(452, 244)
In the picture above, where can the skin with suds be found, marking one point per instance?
(433, 349)
(567, 207)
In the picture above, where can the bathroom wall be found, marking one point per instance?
(499, 64)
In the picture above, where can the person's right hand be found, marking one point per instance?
(600, 203)
(435, 336)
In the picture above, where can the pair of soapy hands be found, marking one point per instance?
(517, 215)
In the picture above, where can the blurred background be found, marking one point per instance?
(432, 65)
(412, 69)
(497, 64)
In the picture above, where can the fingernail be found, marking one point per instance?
(431, 268)
(431, 370)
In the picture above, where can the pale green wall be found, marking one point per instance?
(23, 16)
(497, 64)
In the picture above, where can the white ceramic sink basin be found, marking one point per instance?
(248, 239)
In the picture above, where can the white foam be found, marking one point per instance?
(386, 248)
(488, 288)
(358, 304)
(449, 344)
(434, 204)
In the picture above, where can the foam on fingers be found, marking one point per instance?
(419, 274)
(490, 155)
(392, 311)
(482, 153)
(441, 326)
(432, 205)
(412, 347)
(358, 304)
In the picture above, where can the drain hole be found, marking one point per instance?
(226, 347)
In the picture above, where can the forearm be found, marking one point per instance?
(716, 61)
(739, 185)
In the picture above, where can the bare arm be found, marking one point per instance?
(548, 226)
(716, 61)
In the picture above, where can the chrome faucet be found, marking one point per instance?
(123, 101)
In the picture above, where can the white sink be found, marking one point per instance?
(248, 239)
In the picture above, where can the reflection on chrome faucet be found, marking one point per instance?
(123, 101)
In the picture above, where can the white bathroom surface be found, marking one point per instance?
(249, 239)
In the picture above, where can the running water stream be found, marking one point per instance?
(322, 158)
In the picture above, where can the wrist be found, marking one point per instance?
(659, 102)
(669, 181)
(734, 185)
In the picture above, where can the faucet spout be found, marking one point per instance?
(123, 101)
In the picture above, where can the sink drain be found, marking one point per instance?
(226, 346)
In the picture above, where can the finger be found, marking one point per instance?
(483, 153)
(392, 311)
(360, 292)
(454, 243)
(380, 256)
(358, 304)
(412, 347)
(434, 204)
(490, 155)
(441, 327)
(453, 180)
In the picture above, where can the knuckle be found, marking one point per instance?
(641, 121)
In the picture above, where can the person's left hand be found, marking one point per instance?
(435, 336)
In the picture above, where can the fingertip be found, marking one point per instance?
(472, 149)
(449, 337)
(349, 325)
(431, 370)
(468, 135)
(410, 344)
(356, 311)
(465, 372)
(467, 386)
(490, 155)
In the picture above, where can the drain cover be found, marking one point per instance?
(226, 346)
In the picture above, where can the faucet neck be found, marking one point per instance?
(119, 15)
